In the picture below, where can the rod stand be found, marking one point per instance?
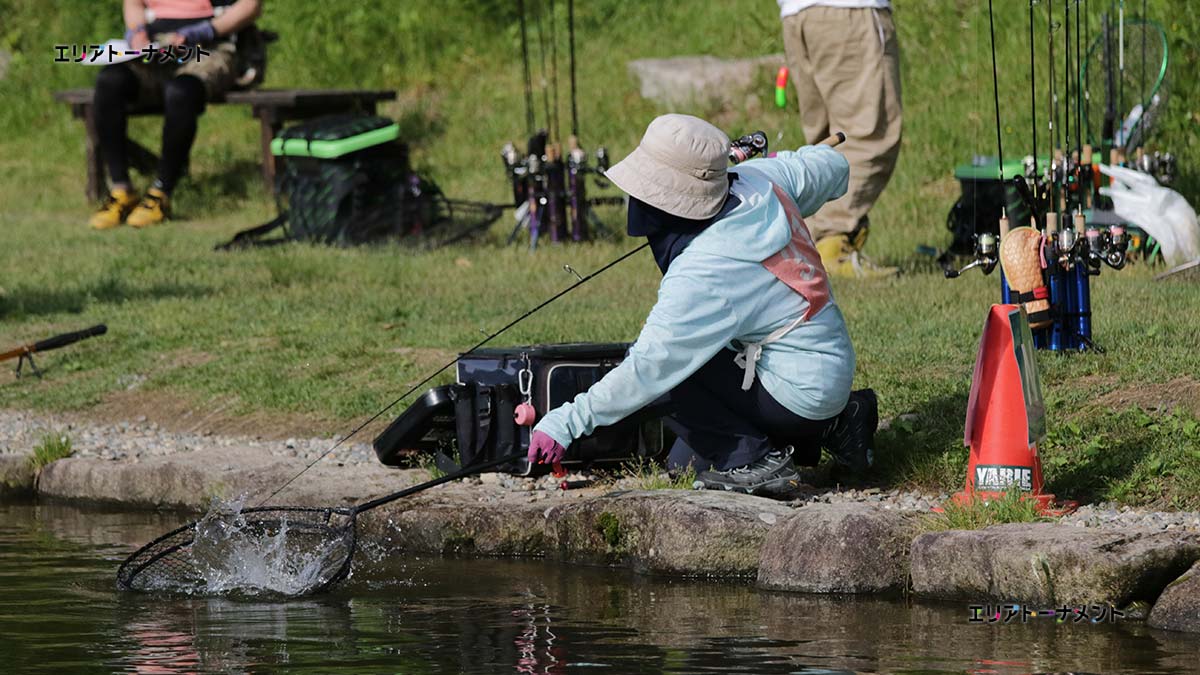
(32, 365)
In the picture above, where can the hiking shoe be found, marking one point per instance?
(153, 209)
(851, 440)
(772, 474)
(842, 259)
(113, 211)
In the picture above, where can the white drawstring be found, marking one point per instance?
(878, 27)
(752, 352)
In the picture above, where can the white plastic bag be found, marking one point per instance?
(1162, 212)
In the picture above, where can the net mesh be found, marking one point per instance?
(1142, 79)
(453, 220)
(287, 550)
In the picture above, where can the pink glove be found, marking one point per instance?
(544, 450)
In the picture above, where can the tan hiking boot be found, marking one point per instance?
(842, 260)
(115, 208)
(153, 209)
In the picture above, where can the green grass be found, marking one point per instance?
(644, 474)
(333, 335)
(976, 514)
(52, 448)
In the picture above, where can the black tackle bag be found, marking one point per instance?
(984, 198)
(473, 420)
(346, 180)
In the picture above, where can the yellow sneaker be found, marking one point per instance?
(842, 260)
(112, 212)
(153, 209)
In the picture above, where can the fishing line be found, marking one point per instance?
(529, 123)
(450, 363)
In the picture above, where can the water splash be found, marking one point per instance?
(278, 551)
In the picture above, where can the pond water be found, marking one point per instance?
(60, 613)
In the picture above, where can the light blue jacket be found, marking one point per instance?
(717, 292)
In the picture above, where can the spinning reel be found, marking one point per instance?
(549, 190)
(748, 147)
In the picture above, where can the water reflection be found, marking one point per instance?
(59, 613)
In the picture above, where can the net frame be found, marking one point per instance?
(166, 557)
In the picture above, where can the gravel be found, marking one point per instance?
(1108, 514)
(140, 439)
(891, 500)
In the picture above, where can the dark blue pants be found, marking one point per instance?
(720, 426)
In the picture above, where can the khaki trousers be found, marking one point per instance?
(845, 64)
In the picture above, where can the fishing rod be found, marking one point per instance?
(1048, 270)
(571, 52)
(1056, 157)
(541, 36)
(1121, 58)
(581, 281)
(24, 353)
(554, 69)
(525, 66)
(1087, 74)
(1079, 91)
(985, 253)
(833, 141)
(550, 183)
(1033, 95)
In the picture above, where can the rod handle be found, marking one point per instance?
(68, 338)
(836, 139)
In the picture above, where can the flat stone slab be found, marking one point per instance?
(676, 532)
(703, 80)
(1050, 564)
(838, 548)
(192, 480)
(450, 523)
(1178, 608)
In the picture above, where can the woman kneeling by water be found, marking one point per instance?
(745, 339)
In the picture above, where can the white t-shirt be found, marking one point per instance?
(790, 7)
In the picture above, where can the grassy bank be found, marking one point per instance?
(328, 336)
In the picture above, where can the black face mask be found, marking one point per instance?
(668, 234)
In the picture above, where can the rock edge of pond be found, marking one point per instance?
(841, 547)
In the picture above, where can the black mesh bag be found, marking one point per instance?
(346, 181)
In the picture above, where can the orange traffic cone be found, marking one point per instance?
(1006, 414)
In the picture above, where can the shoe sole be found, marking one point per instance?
(772, 485)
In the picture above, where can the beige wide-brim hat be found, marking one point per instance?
(680, 167)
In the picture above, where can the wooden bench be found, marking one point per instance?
(272, 107)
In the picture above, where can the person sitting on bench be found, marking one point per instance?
(745, 338)
(181, 88)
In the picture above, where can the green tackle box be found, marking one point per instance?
(334, 136)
